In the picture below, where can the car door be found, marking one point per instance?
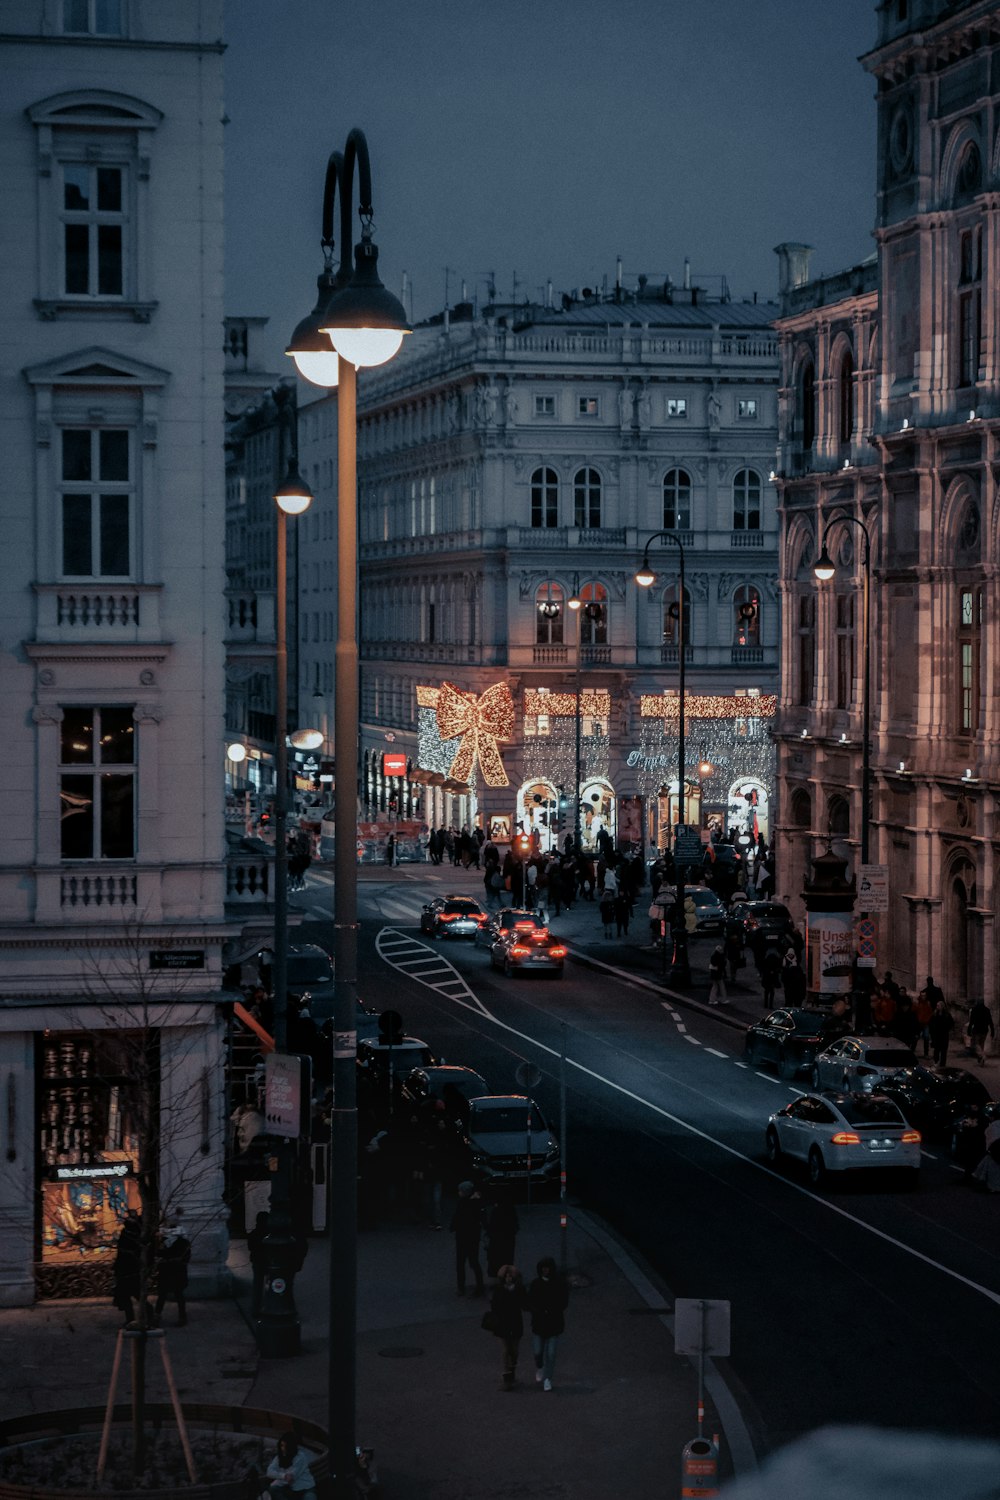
(795, 1131)
(851, 1056)
(779, 1028)
(829, 1069)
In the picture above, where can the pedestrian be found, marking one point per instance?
(734, 947)
(770, 974)
(923, 1010)
(717, 976)
(502, 1225)
(623, 912)
(548, 1296)
(906, 1027)
(610, 881)
(793, 980)
(940, 1027)
(172, 1271)
(289, 1473)
(507, 1307)
(258, 1260)
(979, 1027)
(128, 1257)
(607, 910)
(467, 1227)
(390, 849)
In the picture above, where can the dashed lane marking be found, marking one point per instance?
(692, 1039)
(716, 1053)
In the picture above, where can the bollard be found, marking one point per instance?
(699, 1469)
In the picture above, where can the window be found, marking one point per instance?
(746, 501)
(587, 498)
(746, 609)
(96, 503)
(545, 498)
(672, 617)
(92, 17)
(845, 401)
(93, 222)
(677, 406)
(970, 621)
(549, 615)
(97, 783)
(746, 409)
(806, 632)
(588, 406)
(594, 615)
(970, 273)
(676, 500)
(545, 406)
(844, 629)
(807, 405)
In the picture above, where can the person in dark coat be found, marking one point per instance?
(128, 1256)
(507, 1307)
(172, 1271)
(502, 1225)
(607, 910)
(548, 1296)
(623, 911)
(467, 1227)
(793, 980)
(770, 974)
(940, 1027)
(979, 1027)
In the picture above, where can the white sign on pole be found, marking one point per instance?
(701, 1326)
(282, 1094)
(873, 888)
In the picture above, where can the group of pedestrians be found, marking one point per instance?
(171, 1254)
(458, 846)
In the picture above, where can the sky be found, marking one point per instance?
(541, 139)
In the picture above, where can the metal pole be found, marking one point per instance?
(344, 1143)
(563, 1255)
(680, 968)
(866, 769)
(579, 628)
(701, 1375)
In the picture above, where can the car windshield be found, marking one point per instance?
(806, 1021)
(768, 911)
(309, 968)
(460, 908)
(869, 1109)
(509, 1118)
(704, 898)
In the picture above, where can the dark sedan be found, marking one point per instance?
(521, 951)
(504, 920)
(452, 916)
(932, 1100)
(764, 920)
(790, 1038)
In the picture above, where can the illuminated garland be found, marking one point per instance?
(594, 702)
(707, 706)
(738, 749)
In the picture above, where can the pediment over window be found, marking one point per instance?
(96, 367)
(90, 108)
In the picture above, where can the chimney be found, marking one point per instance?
(793, 266)
(687, 274)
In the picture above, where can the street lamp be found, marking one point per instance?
(278, 1327)
(825, 568)
(592, 611)
(680, 966)
(365, 325)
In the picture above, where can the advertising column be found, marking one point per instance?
(829, 901)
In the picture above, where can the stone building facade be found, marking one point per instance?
(890, 414)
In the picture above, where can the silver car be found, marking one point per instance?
(859, 1062)
(836, 1132)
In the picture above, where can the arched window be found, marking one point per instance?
(545, 498)
(587, 498)
(594, 615)
(550, 611)
(807, 405)
(845, 402)
(801, 808)
(676, 500)
(746, 500)
(838, 815)
(746, 616)
(969, 309)
(672, 619)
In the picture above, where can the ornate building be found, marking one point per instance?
(513, 460)
(889, 420)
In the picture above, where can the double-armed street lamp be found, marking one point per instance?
(591, 611)
(356, 322)
(680, 965)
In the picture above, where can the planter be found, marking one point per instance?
(42, 1433)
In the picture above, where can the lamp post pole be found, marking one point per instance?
(680, 964)
(574, 604)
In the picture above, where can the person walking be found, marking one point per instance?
(734, 947)
(770, 975)
(467, 1227)
(607, 910)
(128, 1255)
(980, 1026)
(172, 1271)
(717, 976)
(940, 1028)
(507, 1308)
(502, 1225)
(548, 1296)
(923, 1010)
(793, 980)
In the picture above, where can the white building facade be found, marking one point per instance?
(112, 872)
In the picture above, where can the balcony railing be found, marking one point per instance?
(97, 890)
(128, 613)
(747, 656)
(550, 656)
(670, 655)
(248, 881)
(742, 539)
(249, 619)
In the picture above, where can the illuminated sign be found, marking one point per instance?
(108, 1169)
(393, 764)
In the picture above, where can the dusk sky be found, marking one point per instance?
(542, 138)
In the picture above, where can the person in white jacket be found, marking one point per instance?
(289, 1473)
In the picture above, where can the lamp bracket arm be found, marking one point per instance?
(356, 150)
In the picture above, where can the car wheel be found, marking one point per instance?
(816, 1168)
(787, 1066)
(772, 1146)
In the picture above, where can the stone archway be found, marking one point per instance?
(960, 933)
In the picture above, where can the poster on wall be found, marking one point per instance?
(830, 951)
(83, 1212)
(630, 824)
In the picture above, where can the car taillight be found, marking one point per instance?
(845, 1138)
(481, 917)
(520, 951)
(558, 952)
(446, 916)
(910, 1137)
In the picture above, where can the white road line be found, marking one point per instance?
(741, 1064)
(928, 1155)
(682, 1028)
(766, 1076)
(692, 1039)
(716, 1053)
(474, 1003)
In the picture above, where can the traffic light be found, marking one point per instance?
(522, 845)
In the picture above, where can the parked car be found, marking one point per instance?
(934, 1101)
(310, 987)
(452, 916)
(791, 1038)
(448, 1084)
(496, 1136)
(531, 949)
(860, 1062)
(505, 919)
(377, 1059)
(709, 912)
(843, 1132)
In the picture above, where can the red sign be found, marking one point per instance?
(393, 764)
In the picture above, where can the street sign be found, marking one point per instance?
(873, 888)
(688, 847)
(864, 937)
(528, 1076)
(283, 1094)
(701, 1326)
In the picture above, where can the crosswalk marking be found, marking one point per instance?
(426, 966)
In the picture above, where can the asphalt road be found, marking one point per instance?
(864, 1303)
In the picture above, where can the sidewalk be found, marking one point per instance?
(428, 1377)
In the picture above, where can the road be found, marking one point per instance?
(864, 1303)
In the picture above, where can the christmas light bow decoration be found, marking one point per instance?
(478, 723)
